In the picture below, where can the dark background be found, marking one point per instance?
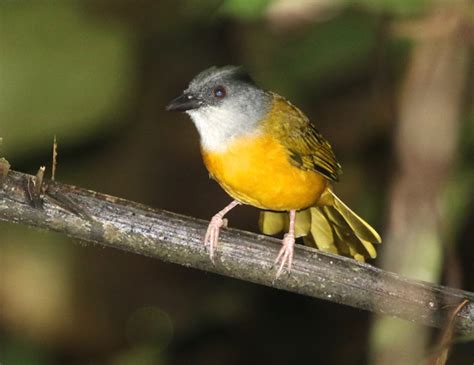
(98, 74)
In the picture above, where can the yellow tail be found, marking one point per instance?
(332, 227)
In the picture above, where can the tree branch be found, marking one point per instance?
(129, 226)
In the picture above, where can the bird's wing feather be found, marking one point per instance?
(307, 148)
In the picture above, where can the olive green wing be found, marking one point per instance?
(307, 148)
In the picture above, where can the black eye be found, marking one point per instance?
(219, 92)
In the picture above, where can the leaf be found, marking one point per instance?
(68, 74)
(247, 9)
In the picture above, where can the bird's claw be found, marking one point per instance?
(285, 256)
(212, 234)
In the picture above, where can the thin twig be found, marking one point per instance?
(445, 341)
(171, 237)
(54, 162)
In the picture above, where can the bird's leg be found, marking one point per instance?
(212, 234)
(285, 256)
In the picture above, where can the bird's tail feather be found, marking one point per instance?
(332, 227)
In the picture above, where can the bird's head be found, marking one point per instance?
(224, 103)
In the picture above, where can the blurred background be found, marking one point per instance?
(388, 82)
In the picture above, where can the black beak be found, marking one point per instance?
(184, 102)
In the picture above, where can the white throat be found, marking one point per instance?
(218, 126)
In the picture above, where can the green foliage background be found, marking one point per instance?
(98, 74)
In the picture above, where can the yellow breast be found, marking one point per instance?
(256, 170)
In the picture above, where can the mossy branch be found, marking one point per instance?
(132, 227)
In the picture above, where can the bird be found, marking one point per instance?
(265, 152)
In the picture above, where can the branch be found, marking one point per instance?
(132, 227)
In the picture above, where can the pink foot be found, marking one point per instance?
(285, 256)
(217, 222)
(212, 234)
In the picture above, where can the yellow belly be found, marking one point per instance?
(256, 171)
